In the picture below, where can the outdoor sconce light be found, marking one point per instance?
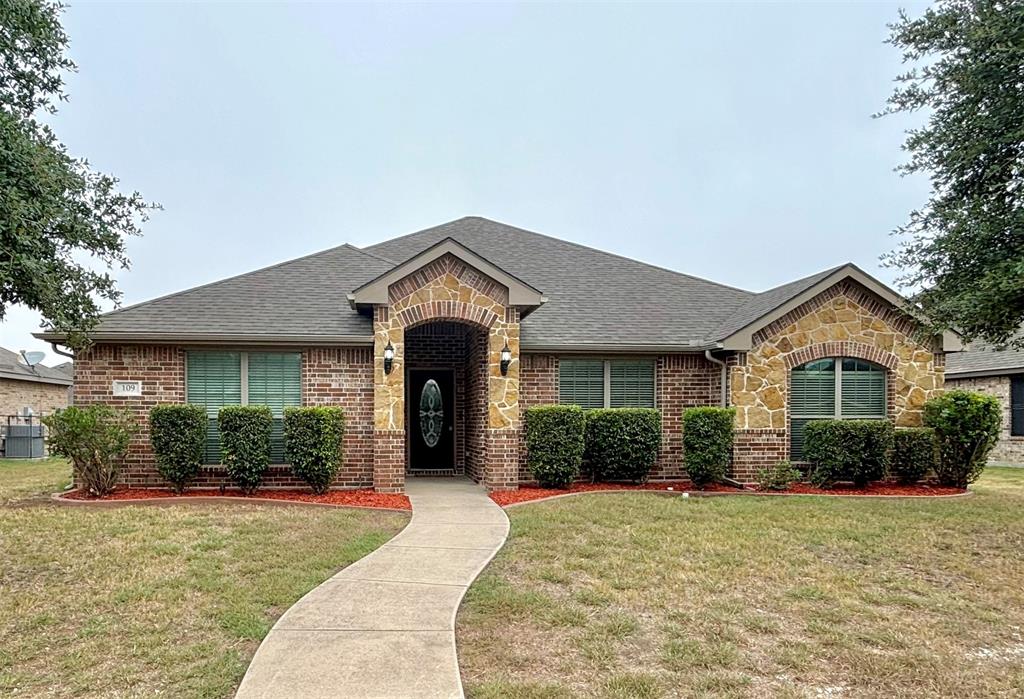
(389, 357)
(506, 359)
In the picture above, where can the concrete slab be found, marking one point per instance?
(315, 664)
(384, 626)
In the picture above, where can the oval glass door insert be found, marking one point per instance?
(431, 413)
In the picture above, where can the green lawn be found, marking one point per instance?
(154, 601)
(24, 478)
(635, 595)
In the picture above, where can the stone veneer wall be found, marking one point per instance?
(330, 376)
(843, 321)
(1010, 448)
(446, 289)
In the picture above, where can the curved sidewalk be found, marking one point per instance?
(385, 625)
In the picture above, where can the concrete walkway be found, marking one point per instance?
(385, 626)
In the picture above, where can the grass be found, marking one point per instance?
(635, 595)
(24, 478)
(154, 601)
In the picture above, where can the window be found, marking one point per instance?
(1017, 406)
(215, 379)
(606, 383)
(840, 388)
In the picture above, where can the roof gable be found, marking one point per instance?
(375, 291)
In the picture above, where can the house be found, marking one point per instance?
(435, 342)
(28, 392)
(1000, 372)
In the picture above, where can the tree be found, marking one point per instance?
(963, 251)
(54, 209)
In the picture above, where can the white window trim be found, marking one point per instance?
(837, 412)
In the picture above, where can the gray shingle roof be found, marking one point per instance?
(595, 299)
(304, 297)
(12, 367)
(981, 359)
(767, 301)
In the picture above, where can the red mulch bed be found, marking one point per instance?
(353, 498)
(527, 493)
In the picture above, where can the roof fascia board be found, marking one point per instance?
(221, 338)
(742, 339)
(618, 348)
(35, 379)
(376, 291)
(982, 373)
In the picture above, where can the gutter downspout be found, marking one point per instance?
(707, 354)
(69, 355)
(719, 362)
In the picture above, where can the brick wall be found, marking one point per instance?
(43, 398)
(330, 376)
(756, 449)
(160, 368)
(681, 381)
(1010, 448)
(476, 408)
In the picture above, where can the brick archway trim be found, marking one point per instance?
(447, 310)
(855, 350)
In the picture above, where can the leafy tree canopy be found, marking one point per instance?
(54, 209)
(964, 249)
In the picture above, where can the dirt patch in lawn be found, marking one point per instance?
(346, 498)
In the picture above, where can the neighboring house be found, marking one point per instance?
(434, 343)
(999, 372)
(25, 390)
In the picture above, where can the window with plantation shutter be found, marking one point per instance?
(581, 382)
(1017, 406)
(839, 388)
(632, 383)
(275, 381)
(214, 379)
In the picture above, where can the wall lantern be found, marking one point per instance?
(506, 359)
(389, 357)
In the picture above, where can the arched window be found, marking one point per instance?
(838, 387)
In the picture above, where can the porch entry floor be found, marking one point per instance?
(385, 625)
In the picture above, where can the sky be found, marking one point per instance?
(734, 142)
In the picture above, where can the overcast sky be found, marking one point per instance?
(733, 142)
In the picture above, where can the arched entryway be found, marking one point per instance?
(446, 399)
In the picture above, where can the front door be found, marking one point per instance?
(431, 404)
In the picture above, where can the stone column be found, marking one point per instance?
(503, 419)
(388, 404)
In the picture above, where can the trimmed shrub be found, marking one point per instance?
(777, 477)
(707, 443)
(622, 443)
(554, 443)
(94, 438)
(245, 443)
(178, 436)
(847, 450)
(913, 454)
(313, 444)
(966, 426)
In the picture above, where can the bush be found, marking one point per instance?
(777, 477)
(847, 450)
(245, 443)
(313, 444)
(622, 443)
(913, 454)
(707, 443)
(966, 426)
(554, 443)
(95, 439)
(178, 436)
